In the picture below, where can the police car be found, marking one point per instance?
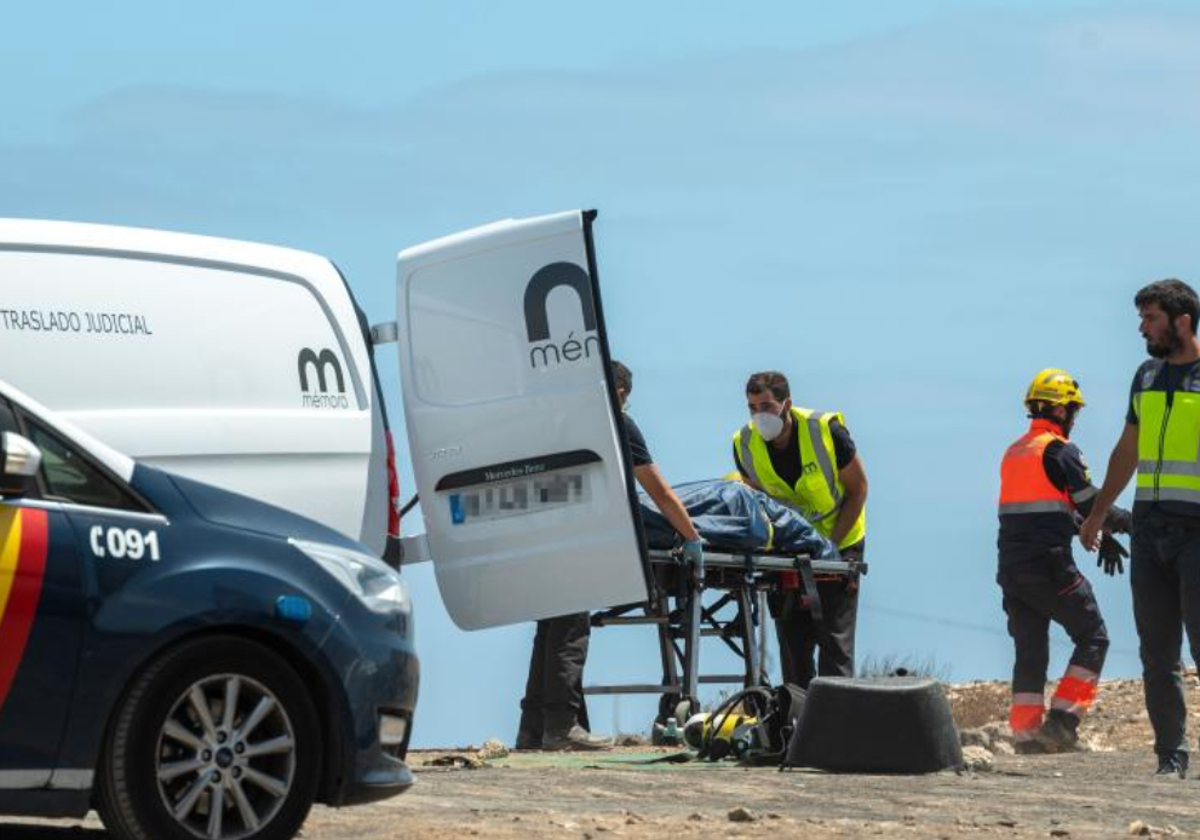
(187, 661)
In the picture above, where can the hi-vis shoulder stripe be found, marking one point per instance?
(24, 539)
(744, 439)
(818, 445)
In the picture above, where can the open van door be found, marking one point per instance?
(523, 476)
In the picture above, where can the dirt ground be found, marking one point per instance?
(1107, 791)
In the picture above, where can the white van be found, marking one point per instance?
(250, 367)
(240, 365)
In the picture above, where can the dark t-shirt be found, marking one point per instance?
(638, 451)
(1157, 375)
(786, 461)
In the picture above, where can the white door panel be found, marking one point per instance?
(511, 424)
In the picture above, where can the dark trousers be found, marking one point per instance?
(800, 636)
(554, 699)
(1164, 573)
(1041, 590)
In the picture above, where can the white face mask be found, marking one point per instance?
(770, 426)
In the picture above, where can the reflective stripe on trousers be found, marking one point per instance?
(1025, 715)
(1076, 691)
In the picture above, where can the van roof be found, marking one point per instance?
(44, 235)
(119, 464)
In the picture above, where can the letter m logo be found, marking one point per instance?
(548, 278)
(320, 363)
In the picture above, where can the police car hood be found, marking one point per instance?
(224, 507)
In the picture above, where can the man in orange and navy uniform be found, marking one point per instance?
(1045, 489)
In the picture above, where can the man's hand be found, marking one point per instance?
(1112, 555)
(1089, 531)
(1122, 464)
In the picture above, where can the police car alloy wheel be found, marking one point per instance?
(217, 739)
(227, 738)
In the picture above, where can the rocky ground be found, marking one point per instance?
(1106, 790)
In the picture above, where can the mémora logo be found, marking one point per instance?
(546, 353)
(321, 364)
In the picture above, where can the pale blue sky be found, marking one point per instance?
(910, 208)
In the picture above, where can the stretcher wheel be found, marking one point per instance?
(881, 725)
(674, 706)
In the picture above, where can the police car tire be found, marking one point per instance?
(127, 795)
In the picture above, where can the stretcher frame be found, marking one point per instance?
(744, 578)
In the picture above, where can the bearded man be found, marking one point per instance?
(1161, 443)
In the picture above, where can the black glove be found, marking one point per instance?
(1112, 555)
(1119, 521)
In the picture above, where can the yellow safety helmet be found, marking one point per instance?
(1054, 386)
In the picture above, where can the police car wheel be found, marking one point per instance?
(219, 739)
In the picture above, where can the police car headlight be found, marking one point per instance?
(375, 583)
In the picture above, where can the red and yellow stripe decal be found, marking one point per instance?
(24, 539)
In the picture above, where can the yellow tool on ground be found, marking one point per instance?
(697, 731)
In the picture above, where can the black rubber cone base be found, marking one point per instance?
(881, 725)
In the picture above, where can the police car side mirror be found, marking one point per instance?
(19, 463)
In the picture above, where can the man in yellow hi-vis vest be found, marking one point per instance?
(1161, 443)
(807, 460)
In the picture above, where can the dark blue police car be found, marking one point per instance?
(189, 662)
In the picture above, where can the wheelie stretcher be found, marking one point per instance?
(678, 611)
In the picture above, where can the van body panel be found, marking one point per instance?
(515, 445)
(233, 363)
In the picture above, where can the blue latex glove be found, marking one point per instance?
(693, 553)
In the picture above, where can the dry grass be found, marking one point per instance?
(893, 665)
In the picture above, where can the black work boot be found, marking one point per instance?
(575, 738)
(1059, 732)
(529, 730)
(527, 739)
(1029, 748)
(1172, 763)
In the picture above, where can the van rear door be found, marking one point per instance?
(513, 423)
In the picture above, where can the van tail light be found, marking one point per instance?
(393, 479)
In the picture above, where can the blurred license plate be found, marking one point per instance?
(522, 496)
